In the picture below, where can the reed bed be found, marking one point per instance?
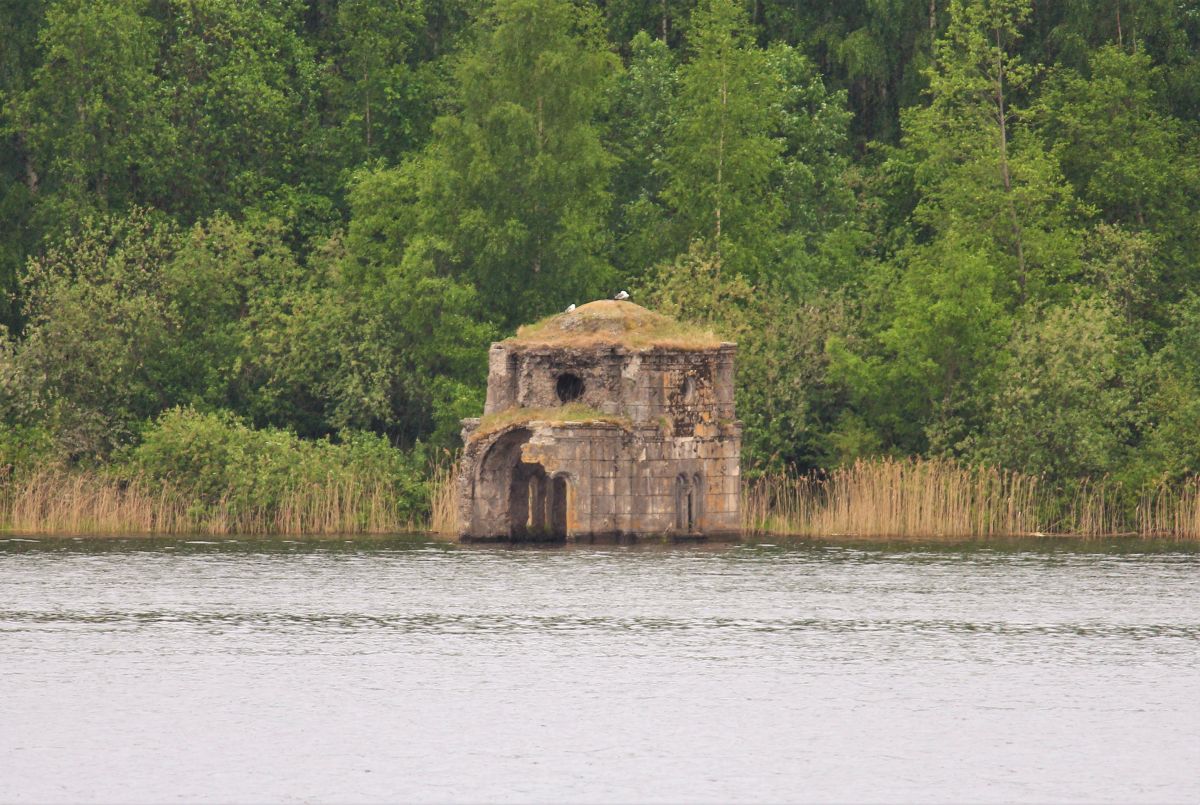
(872, 499)
(75, 502)
(939, 499)
(1171, 511)
(895, 498)
(443, 514)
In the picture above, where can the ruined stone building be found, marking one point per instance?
(608, 421)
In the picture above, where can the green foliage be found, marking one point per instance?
(92, 117)
(513, 189)
(378, 87)
(132, 316)
(784, 396)
(740, 146)
(243, 93)
(98, 322)
(24, 445)
(404, 358)
(875, 50)
(984, 178)
(919, 381)
(1134, 164)
(221, 462)
(1169, 415)
(1063, 403)
(967, 228)
(721, 152)
(637, 137)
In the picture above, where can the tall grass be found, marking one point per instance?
(895, 498)
(77, 502)
(443, 511)
(939, 499)
(875, 499)
(1171, 510)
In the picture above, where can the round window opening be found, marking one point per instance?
(569, 387)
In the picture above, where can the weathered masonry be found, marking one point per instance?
(606, 422)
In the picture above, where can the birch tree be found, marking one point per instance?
(722, 151)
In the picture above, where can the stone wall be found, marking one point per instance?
(672, 470)
(619, 482)
(689, 385)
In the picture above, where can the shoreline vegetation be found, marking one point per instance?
(878, 499)
(75, 502)
(930, 499)
(254, 254)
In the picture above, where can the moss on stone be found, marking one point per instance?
(573, 413)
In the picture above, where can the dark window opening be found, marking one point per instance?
(558, 508)
(688, 390)
(688, 501)
(569, 387)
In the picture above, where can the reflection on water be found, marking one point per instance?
(404, 669)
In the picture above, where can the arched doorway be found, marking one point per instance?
(519, 499)
(538, 504)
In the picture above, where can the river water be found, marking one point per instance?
(406, 670)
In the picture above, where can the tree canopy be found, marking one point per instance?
(960, 228)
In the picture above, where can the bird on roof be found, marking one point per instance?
(570, 307)
(622, 296)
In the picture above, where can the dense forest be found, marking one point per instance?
(964, 229)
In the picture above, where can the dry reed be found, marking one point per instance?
(938, 499)
(443, 518)
(875, 499)
(895, 498)
(1171, 511)
(65, 502)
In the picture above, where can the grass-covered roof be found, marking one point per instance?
(612, 323)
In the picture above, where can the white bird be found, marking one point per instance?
(570, 307)
(623, 295)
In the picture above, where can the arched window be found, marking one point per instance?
(689, 495)
(558, 507)
(687, 505)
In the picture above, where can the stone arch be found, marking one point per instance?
(497, 503)
(518, 499)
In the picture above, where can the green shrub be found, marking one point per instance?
(23, 450)
(250, 473)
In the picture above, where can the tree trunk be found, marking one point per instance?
(31, 176)
(721, 148)
(367, 104)
(1005, 175)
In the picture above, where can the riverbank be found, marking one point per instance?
(879, 500)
